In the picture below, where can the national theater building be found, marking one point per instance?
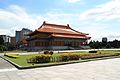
(56, 37)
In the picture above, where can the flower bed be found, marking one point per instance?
(69, 56)
(42, 58)
(90, 56)
(12, 55)
(45, 58)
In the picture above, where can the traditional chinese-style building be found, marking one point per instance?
(56, 37)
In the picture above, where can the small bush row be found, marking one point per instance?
(39, 59)
(90, 56)
(43, 58)
(92, 51)
(48, 52)
(69, 56)
(12, 55)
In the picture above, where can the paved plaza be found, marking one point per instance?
(5, 65)
(95, 70)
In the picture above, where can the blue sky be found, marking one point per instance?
(99, 18)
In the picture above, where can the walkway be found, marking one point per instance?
(6, 66)
(95, 70)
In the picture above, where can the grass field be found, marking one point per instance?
(22, 60)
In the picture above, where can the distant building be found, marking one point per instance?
(56, 37)
(17, 36)
(104, 39)
(13, 41)
(25, 33)
(6, 38)
(21, 36)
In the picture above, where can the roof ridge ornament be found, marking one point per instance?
(68, 26)
(44, 22)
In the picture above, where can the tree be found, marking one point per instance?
(1, 41)
(103, 44)
(2, 47)
(116, 44)
(95, 44)
(108, 45)
(91, 44)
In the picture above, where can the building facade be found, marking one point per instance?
(56, 37)
(6, 38)
(104, 39)
(13, 41)
(21, 37)
(17, 36)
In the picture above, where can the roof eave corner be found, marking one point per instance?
(44, 22)
(89, 37)
(86, 33)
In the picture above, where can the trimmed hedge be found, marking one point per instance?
(12, 55)
(92, 51)
(39, 59)
(45, 58)
(90, 56)
(69, 56)
(48, 52)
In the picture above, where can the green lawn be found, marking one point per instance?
(109, 51)
(22, 60)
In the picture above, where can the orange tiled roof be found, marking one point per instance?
(60, 31)
(54, 28)
(69, 36)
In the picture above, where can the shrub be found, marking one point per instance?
(51, 52)
(48, 52)
(90, 56)
(92, 51)
(12, 55)
(69, 56)
(39, 59)
(64, 57)
(74, 57)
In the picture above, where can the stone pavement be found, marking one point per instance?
(5, 65)
(95, 70)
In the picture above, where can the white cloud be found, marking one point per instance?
(61, 18)
(98, 31)
(15, 18)
(72, 1)
(99, 21)
(107, 11)
(4, 31)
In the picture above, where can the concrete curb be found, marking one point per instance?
(14, 64)
(61, 63)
